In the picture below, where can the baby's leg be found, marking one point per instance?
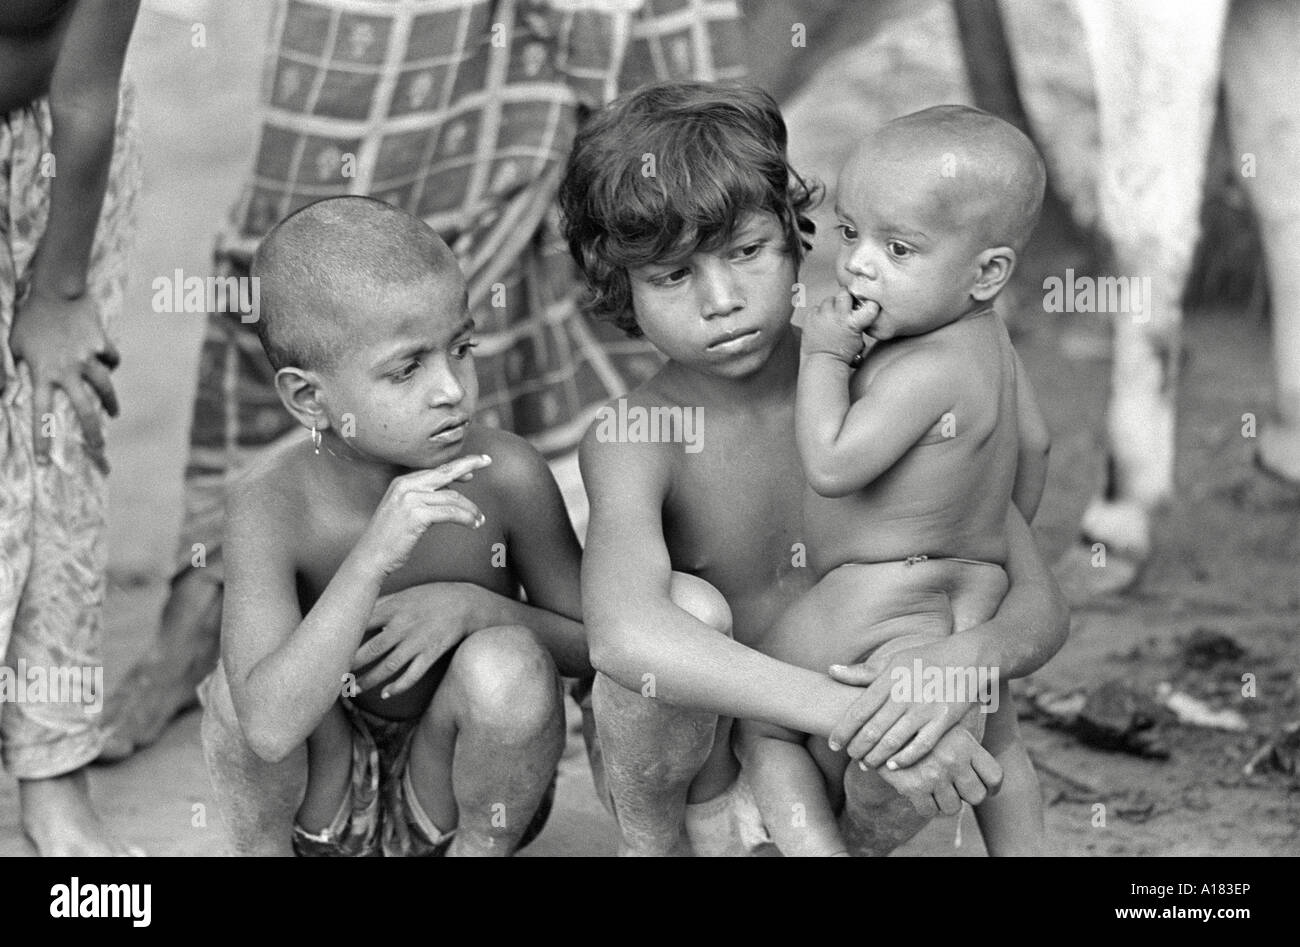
(793, 775)
(790, 789)
(486, 750)
(651, 752)
(1011, 821)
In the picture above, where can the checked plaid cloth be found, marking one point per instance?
(461, 112)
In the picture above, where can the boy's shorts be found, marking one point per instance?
(728, 826)
(380, 815)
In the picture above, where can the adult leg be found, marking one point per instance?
(487, 749)
(651, 752)
(52, 515)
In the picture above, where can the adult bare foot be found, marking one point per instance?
(161, 685)
(59, 820)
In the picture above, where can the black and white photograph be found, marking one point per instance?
(669, 428)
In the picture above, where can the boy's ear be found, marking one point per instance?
(996, 265)
(300, 392)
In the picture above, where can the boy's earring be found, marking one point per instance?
(315, 438)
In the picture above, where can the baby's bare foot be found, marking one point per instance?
(59, 820)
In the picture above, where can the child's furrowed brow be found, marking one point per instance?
(415, 349)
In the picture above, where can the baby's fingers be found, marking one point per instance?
(970, 787)
(865, 313)
(987, 769)
(945, 796)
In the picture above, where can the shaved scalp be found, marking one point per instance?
(320, 267)
(987, 175)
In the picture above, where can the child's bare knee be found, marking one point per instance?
(508, 682)
(647, 740)
(699, 598)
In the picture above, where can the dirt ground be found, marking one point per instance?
(1227, 557)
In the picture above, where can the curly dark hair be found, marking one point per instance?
(668, 170)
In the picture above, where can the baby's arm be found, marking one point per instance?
(285, 669)
(846, 446)
(1035, 443)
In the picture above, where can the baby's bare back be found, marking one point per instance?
(948, 495)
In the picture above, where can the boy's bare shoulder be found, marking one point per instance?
(601, 445)
(269, 490)
(516, 464)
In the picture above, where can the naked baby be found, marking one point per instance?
(914, 450)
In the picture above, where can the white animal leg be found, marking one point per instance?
(1156, 68)
(1261, 67)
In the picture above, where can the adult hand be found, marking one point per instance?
(896, 733)
(420, 625)
(65, 346)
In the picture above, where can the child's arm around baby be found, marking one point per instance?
(286, 669)
(843, 446)
(636, 629)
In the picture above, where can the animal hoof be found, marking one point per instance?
(1123, 528)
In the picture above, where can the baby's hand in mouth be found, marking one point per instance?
(835, 328)
(866, 311)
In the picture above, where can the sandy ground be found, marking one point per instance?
(1227, 547)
